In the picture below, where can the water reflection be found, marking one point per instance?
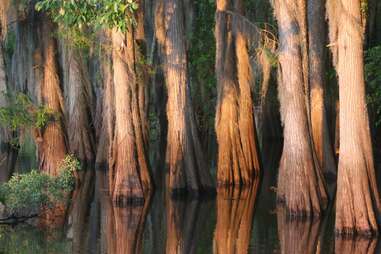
(235, 208)
(297, 237)
(123, 227)
(356, 246)
(185, 223)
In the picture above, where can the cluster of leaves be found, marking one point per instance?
(21, 113)
(373, 81)
(36, 189)
(90, 13)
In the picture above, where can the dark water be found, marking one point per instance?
(236, 221)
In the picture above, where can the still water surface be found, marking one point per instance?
(234, 222)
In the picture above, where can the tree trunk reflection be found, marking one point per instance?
(235, 210)
(356, 246)
(185, 222)
(296, 236)
(123, 227)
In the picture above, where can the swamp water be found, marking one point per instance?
(233, 222)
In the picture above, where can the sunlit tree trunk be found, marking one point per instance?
(317, 72)
(132, 180)
(51, 141)
(358, 204)
(185, 160)
(238, 155)
(300, 182)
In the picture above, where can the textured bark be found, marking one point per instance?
(238, 156)
(317, 72)
(358, 203)
(185, 160)
(52, 147)
(300, 182)
(132, 180)
(298, 237)
(235, 210)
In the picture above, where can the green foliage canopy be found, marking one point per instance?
(90, 13)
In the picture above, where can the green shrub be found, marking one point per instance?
(36, 189)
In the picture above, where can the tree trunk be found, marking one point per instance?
(316, 58)
(52, 147)
(132, 180)
(358, 204)
(238, 156)
(185, 160)
(300, 182)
